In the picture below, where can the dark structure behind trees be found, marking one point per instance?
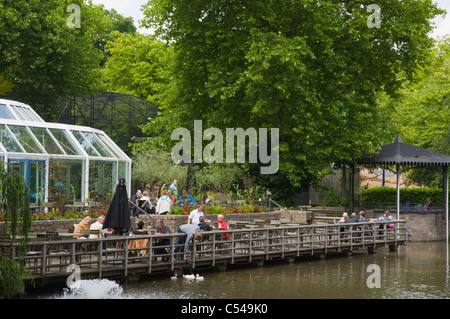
(119, 115)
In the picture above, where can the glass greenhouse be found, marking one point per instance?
(79, 163)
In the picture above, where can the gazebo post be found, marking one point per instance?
(398, 189)
(351, 188)
(445, 197)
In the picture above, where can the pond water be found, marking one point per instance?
(415, 271)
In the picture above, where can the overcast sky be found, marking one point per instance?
(131, 8)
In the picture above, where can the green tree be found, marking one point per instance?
(155, 167)
(116, 22)
(5, 87)
(421, 109)
(313, 69)
(44, 55)
(15, 207)
(137, 65)
(420, 112)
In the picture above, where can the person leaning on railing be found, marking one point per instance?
(191, 231)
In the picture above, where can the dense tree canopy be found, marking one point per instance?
(420, 112)
(54, 49)
(137, 65)
(334, 84)
(313, 69)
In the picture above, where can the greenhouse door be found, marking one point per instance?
(34, 173)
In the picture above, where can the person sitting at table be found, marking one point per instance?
(135, 200)
(386, 217)
(83, 225)
(145, 204)
(164, 204)
(221, 225)
(140, 230)
(162, 228)
(343, 219)
(352, 219)
(98, 225)
(186, 200)
(138, 243)
(203, 225)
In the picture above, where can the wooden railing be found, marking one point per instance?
(146, 254)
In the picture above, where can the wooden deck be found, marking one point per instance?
(131, 256)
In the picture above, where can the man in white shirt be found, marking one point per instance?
(98, 225)
(194, 216)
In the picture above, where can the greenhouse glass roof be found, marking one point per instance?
(27, 140)
(23, 131)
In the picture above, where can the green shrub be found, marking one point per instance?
(389, 195)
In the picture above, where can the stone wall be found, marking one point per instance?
(173, 221)
(423, 226)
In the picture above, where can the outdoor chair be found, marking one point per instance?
(34, 254)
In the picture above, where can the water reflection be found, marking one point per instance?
(417, 271)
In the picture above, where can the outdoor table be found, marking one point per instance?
(41, 235)
(68, 235)
(30, 236)
(240, 224)
(138, 243)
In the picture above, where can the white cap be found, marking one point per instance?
(345, 215)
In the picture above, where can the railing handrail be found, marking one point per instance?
(217, 231)
(257, 242)
(272, 201)
(143, 211)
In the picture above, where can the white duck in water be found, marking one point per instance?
(198, 277)
(189, 277)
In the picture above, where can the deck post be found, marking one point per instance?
(257, 263)
(320, 256)
(220, 267)
(288, 260)
(132, 278)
